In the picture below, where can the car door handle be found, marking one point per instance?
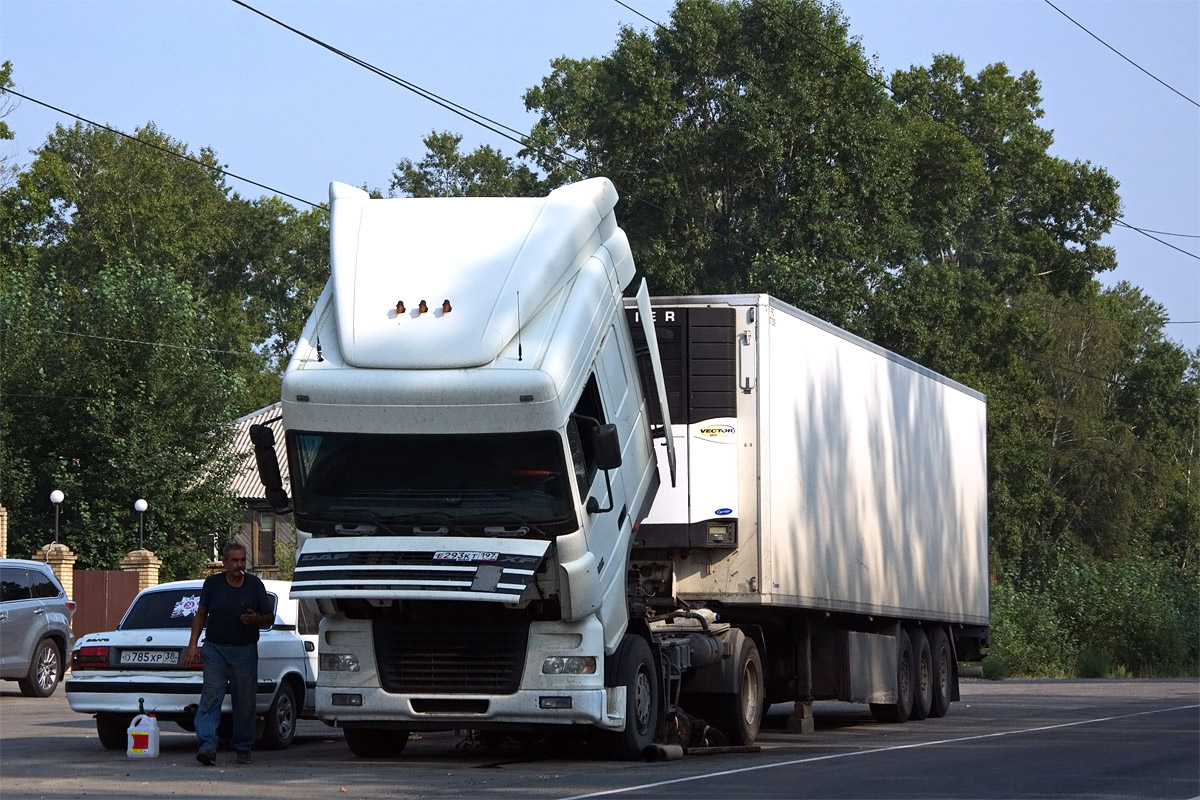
(39, 610)
(3, 615)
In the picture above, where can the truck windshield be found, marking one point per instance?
(467, 485)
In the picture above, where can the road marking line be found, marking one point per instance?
(850, 754)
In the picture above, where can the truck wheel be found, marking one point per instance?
(633, 668)
(922, 675)
(113, 730)
(280, 727)
(941, 659)
(738, 715)
(375, 742)
(900, 710)
(45, 671)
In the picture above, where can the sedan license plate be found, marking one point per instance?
(150, 657)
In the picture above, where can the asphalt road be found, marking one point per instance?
(1010, 739)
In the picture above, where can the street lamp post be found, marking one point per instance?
(56, 497)
(140, 506)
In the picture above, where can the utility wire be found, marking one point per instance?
(558, 154)
(492, 125)
(167, 150)
(1146, 233)
(149, 344)
(1122, 55)
(1168, 233)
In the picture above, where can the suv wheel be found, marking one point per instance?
(45, 671)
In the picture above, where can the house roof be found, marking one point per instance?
(246, 483)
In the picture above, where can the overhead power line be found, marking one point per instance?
(498, 128)
(1148, 235)
(1122, 55)
(166, 150)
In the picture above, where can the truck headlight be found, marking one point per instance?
(569, 665)
(338, 662)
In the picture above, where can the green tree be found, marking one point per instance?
(145, 307)
(119, 397)
(93, 197)
(445, 172)
(7, 171)
(739, 131)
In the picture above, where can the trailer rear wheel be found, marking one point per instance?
(943, 666)
(375, 742)
(922, 675)
(899, 710)
(738, 714)
(633, 668)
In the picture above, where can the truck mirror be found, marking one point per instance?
(263, 439)
(607, 445)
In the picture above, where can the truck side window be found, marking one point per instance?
(583, 455)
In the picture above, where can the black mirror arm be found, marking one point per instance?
(593, 505)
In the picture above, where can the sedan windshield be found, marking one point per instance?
(467, 485)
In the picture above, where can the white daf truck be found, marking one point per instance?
(517, 516)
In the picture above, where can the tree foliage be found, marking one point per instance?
(145, 307)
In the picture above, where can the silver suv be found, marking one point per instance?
(35, 626)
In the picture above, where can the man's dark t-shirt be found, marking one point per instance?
(225, 606)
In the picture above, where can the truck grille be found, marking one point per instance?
(451, 658)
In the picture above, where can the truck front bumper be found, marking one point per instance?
(601, 707)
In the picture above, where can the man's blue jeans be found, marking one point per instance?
(235, 665)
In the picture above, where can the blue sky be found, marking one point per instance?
(282, 111)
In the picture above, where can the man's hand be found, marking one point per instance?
(189, 657)
(254, 619)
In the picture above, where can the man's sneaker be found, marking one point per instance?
(206, 757)
(243, 757)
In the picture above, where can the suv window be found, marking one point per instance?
(43, 586)
(14, 585)
(167, 609)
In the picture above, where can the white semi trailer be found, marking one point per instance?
(518, 516)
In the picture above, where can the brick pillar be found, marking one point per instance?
(3, 532)
(62, 561)
(145, 564)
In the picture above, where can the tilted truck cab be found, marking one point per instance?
(470, 451)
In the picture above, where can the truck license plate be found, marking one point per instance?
(169, 657)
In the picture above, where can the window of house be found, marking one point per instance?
(264, 540)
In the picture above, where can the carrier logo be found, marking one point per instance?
(462, 555)
(717, 431)
(723, 512)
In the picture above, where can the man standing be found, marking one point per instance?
(234, 605)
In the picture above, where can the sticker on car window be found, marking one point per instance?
(186, 607)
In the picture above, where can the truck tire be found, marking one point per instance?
(942, 665)
(113, 730)
(922, 675)
(633, 668)
(280, 724)
(739, 714)
(45, 670)
(375, 742)
(900, 710)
